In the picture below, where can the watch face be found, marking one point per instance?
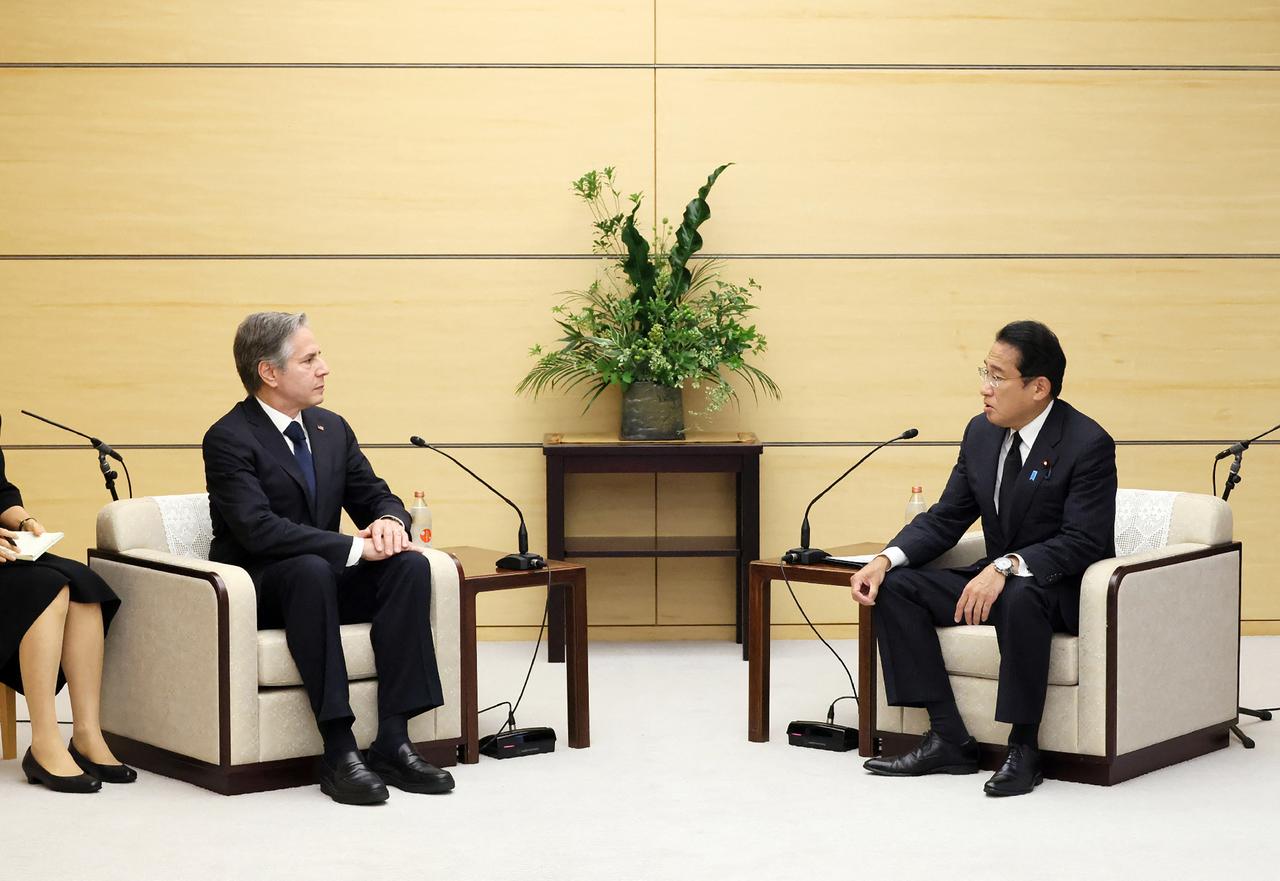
(1004, 565)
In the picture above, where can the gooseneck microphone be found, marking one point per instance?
(104, 451)
(521, 561)
(805, 554)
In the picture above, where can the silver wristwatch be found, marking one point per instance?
(1004, 566)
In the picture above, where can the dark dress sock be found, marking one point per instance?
(1027, 735)
(338, 738)
(944, 718)
(393, 732)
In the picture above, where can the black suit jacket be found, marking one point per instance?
(1063, 509)
(258, 499)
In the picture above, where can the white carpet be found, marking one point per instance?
(671, 788)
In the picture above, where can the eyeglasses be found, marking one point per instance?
(987, 379)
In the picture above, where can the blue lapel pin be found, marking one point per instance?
(1033, 474)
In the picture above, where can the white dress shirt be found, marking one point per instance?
(281, 422)
(1027, 436)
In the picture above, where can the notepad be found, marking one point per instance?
(31, 546)
(855, 562)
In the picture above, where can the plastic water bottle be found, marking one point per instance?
(915, 505)
(420, 514)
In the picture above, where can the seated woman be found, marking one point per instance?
(54, 615)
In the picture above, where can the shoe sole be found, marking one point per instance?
(995, 793)
(945, 769)
(373, 797)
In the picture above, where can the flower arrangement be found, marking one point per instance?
(648, 318)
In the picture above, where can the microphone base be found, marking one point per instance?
(804, 556)
(522, 562)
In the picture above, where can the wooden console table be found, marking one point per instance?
(586, 454)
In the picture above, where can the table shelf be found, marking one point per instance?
(651, 546)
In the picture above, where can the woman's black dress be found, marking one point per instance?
(27, 589)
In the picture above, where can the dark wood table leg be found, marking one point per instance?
(555, 551)
(748, 485)
(556, 622)
(579, 702)
(469, 749)
(758, 656)
(867, 682)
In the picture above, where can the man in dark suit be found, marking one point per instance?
(279, 471)
(1042, 477)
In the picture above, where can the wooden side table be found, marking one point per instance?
(734, 454)
(476, 574)
(763, 572)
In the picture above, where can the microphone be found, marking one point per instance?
(805, 554)
(104, 451)
(521, 561)
(1233, 450)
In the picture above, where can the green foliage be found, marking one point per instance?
(648, 317)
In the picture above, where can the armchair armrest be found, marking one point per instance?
(446, 636)
(181, 665)
(1159, 645)
(971, 547)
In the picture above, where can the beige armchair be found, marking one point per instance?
(1152, 678)
(192, 689)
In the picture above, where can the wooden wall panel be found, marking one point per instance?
(976, 161)
(326, 32)
(311, 161)
(1119, 32)
(140, 351)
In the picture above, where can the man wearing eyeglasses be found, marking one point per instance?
(1042, 477)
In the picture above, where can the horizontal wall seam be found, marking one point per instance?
(620, 65)
(905, 255)
(518, 445)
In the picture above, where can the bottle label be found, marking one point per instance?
(425, 535)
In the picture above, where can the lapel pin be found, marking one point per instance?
(319, 427)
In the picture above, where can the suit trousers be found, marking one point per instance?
(309, 599)
(913, 602)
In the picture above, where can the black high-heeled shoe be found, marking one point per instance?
(105, 773)
(37, 774)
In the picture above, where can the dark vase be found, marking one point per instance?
(652, 412)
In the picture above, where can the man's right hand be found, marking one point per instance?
(865, 583)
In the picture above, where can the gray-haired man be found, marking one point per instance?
(280, 470)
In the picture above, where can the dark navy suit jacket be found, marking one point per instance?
(262, 511)
(1063, 509)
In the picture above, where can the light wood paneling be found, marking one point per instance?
(139, 351)
(969, 32)
(311, 161)
(1156, 349)
(696, 591)
(976, 162)
(327, 32)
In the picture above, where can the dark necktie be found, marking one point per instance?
(308, 465)
(1009, 479)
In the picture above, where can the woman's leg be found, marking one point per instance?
(39, 654)
(82, 665)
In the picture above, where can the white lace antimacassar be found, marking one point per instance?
(187, 526)
(1142, 520)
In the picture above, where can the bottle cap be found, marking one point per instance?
(418, 494)
(917, 489)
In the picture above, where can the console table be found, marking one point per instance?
(711, 453)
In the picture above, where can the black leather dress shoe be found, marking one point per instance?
(1019, 774)
(349, 781)
(933, 756)
(105, 773)
(37, 774)
(409, 771)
